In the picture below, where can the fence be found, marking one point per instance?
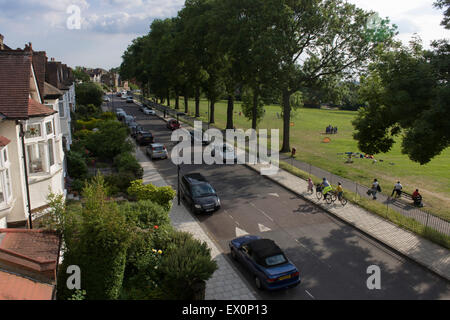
(396, 210)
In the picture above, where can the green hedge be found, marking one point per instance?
(76, 165)
(160, 195)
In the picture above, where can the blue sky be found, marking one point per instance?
(109, 26)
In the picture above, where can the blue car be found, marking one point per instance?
(266, 261)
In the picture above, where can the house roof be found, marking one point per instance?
(14, 287)
(36, 109)
(4, 141)
(51, 91)
(35, 250)
(15, 72)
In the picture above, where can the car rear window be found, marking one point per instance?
(275, 260)
(158, 148)
(147, 134)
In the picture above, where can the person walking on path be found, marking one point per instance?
(310, 186)
(397, 189)
(375, 188)
(340, 191)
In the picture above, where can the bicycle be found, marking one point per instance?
(335, 197)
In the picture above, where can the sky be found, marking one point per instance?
(107, 27)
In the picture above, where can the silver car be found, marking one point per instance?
(157, 150)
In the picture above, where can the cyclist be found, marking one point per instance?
(340, 191)
(326, 187)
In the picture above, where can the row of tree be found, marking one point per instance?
(261, 50)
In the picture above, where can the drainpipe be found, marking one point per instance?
(24, 157)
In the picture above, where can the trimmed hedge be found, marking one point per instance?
(160, 195)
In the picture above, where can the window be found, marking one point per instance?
(49, 127)
(51, 157)
(61, 108)
(35, 159)
(33, 131)
(5, 179)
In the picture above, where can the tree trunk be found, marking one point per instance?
(177, 100)
(211, 117)
(197, 102)
(186, 102)
(286, 121)
(168, 98)
(230, 112)
(255, 109)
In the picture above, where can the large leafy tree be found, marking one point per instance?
(408, 95)
(320, 39)
(444, 4)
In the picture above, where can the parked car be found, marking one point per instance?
(106, 99)
(119, 110)
(204, 140)
(124, 96)
(136, 130)
(173, 124)
(157, 150)
(144, 138)
(130, 100)
(121, 115)
(149, 111)
(127, 119)
(199, 195)
(142, 107)
(225, 152)
(132, 126)
(270, 268)
(118, 94)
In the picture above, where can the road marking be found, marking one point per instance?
(274, 194)
(309, 294)
(267, 216)
(240, 232)
(263, 228)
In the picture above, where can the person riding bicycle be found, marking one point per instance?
(340, 191)
(326, 187)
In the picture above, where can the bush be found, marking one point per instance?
(89, 93)
(108, 116)
(184, 268)
(119, 182)
(109, 141)
(82, 134)
(88, 124)
(160, 195)
(76, 165)
(87, 112)
(145, 214)
(97, 241)
(126, 162)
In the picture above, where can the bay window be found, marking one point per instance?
(33, 131)
(35, 158)
(5, 178)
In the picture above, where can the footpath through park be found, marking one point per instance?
(410, 245)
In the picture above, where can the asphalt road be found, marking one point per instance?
(332, 256)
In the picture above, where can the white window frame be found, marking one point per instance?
(6, 182)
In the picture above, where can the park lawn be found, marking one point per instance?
(308, 131)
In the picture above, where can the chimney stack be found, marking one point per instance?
(1, 41)
(28, 47)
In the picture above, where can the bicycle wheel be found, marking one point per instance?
(319, 195)
(333, 196)
(329, 198)
(343, 201)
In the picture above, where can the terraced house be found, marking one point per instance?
(34, 121)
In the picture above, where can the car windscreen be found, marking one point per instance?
(159, 148)
(202, 190)
(147, 135)
(275, 260)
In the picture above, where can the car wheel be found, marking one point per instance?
(233, 254)
(258, 283)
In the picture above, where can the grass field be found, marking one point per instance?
(307, 133)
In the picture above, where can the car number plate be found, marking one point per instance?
(285, 277)
(209, 210)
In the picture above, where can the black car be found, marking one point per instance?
(204, 140)
(144, 138)
(199, 195)
(130, 100)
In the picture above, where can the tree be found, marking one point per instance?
(89, 93)
(441, 4)
(331, 37)
(408, 94)
(80, 74)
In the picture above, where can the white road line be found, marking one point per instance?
(240, 232)
(309, 294)
(268, 217)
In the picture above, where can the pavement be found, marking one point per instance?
(225, 284)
